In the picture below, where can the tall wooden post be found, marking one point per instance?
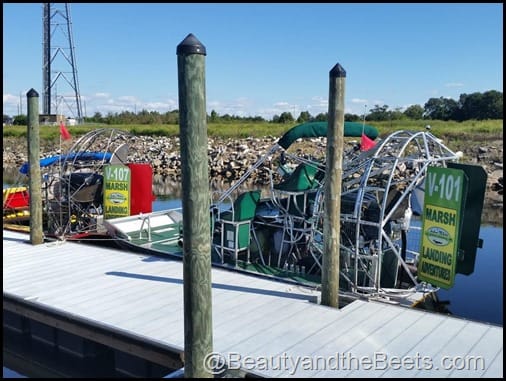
(196, 205)
(333, 180)
(34, 181)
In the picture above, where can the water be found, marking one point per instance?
(479, 296)
(8, 373)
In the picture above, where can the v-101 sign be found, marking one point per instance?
(441, 225)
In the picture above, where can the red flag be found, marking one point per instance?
(64, 132)
(366, 143)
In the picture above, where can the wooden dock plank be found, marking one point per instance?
(460, 347)
(63, 286)
(398, 327)
(330, 325)
(488, 348)
(430, 344)
(365, 326)
(494, 368)
(397, 344)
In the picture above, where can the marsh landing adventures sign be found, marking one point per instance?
(116, 191)
(441, 226)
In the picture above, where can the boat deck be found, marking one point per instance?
(268, 328)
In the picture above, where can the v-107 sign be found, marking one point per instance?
(116, 191)
(441, 220)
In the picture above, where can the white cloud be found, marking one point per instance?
(11, 104)
(160, 106)
(454, 84)
(11, 99)
(214, 104)
(128, 99)
(101, 95)
(104, 103)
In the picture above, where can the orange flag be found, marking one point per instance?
(366, 143)
(64, 132)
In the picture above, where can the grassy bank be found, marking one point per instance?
(472, 130)
(459, 134)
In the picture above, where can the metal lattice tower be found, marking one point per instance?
(59, 63)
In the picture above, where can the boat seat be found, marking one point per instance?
(294, 197)
(304, 177)
(235, 226)
(86, 187)
(293, 194)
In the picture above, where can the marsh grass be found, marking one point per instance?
(471, 130)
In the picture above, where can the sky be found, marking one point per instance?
(262, 59)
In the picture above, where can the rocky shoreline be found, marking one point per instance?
(230, 158)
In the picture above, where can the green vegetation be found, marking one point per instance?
(470, 130)
(444, 128)
(458, 135)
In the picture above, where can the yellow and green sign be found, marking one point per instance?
(442, 214)
(116, 191)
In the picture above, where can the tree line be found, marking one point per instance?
(477, 106)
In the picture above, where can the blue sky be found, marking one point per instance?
(262, 58)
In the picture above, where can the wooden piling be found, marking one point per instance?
(196, 205)
(333, 180)
(34, 180)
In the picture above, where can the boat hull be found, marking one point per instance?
(16, 205)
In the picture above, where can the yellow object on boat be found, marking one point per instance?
(14, 189)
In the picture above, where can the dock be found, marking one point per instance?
(133, 303)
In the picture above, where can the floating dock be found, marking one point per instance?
(68, 295)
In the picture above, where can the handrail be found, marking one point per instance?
(149, 227)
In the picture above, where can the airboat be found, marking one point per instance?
(71, 187)
(276, 231)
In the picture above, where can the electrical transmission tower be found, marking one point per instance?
(59, 69)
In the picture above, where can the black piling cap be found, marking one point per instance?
(32, 93)
(190, 45)
(338, 72)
